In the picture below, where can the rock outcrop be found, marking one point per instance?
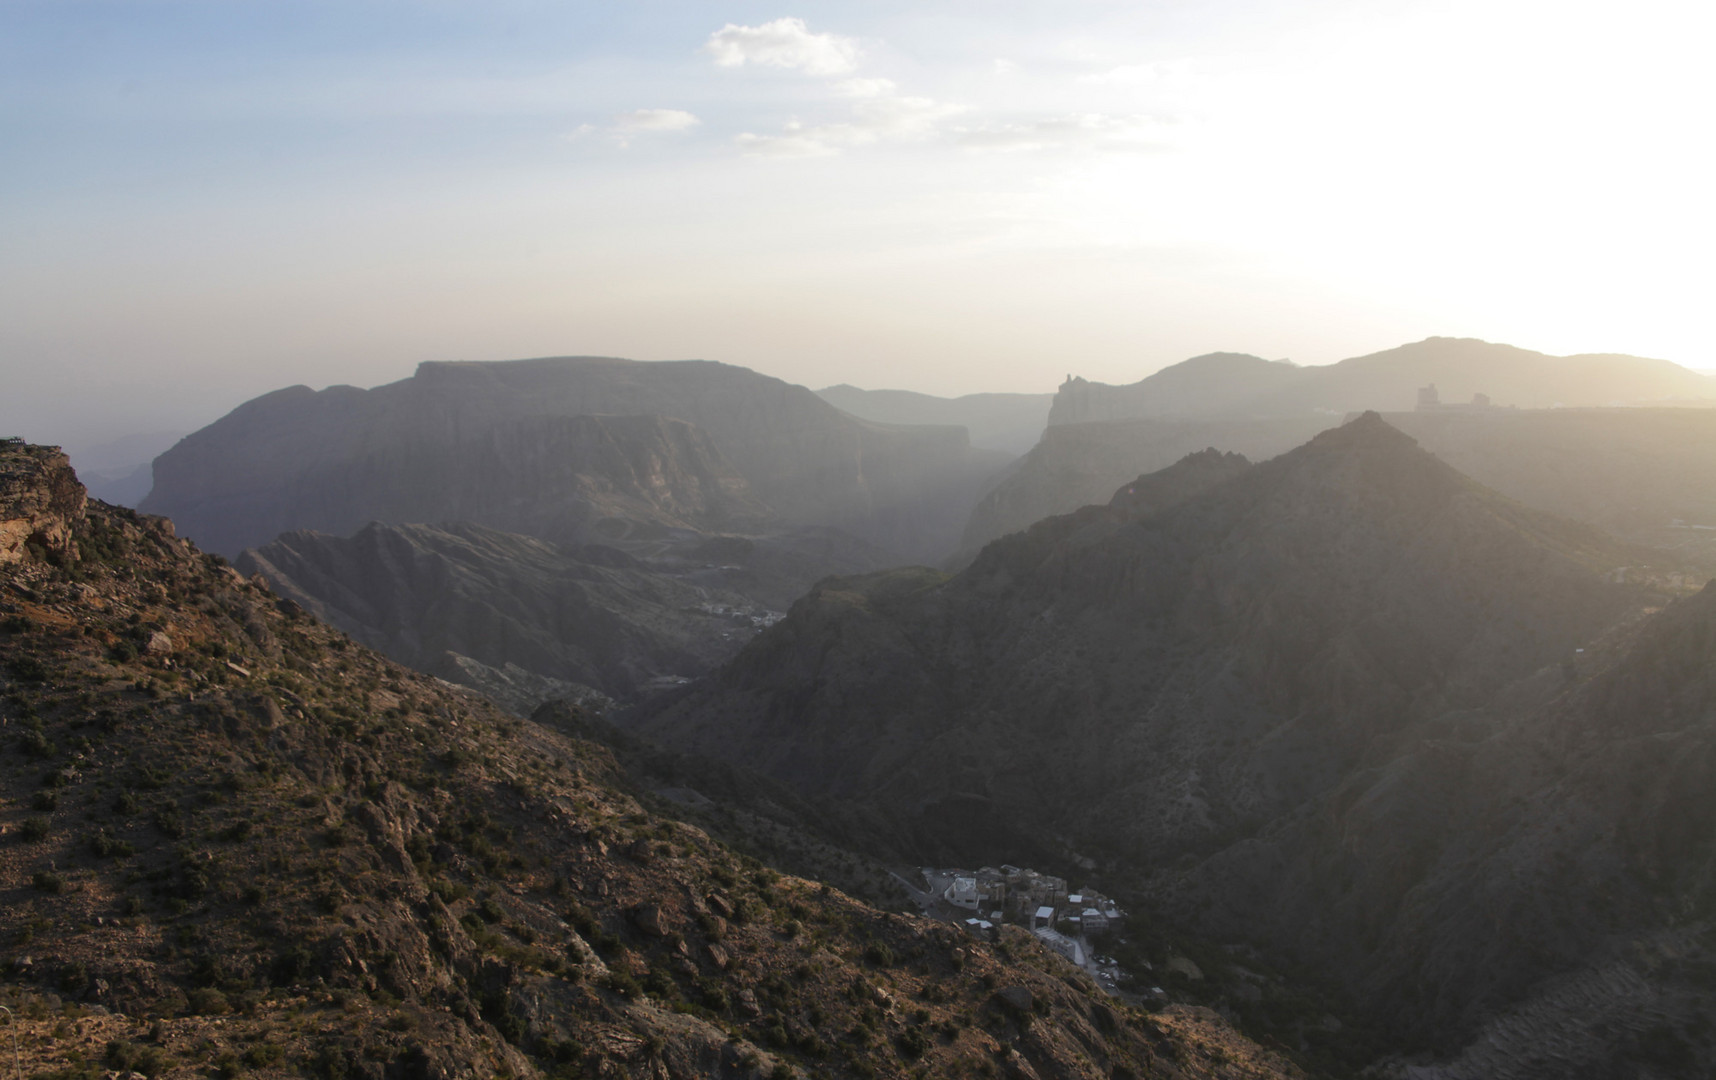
(40, 499)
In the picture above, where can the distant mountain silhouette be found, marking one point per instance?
(1212, 384)
(1008, 422)
(1239, 385)
(560, 447)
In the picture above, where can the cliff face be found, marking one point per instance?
(1322, 705)
(496, 443)
(283, 462)
(39, 499)
(1228, 384)
(265, 848)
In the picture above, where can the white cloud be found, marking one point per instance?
(1085, 131)
(785, 43)
(865, 88)
(888, 118)
(628, 125)
(655, 120)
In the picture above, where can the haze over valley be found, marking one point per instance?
(1050, 542)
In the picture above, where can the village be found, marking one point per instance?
(1073, 924)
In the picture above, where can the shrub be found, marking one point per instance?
(207, 1001)
(127, 1056)
(49, 882)
(107, 846)
(622, 984)
(879, 954)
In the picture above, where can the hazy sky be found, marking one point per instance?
(203, 201)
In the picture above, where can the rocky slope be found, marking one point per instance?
(1226, 384)
(1259, 701)
(1541, 881)
(1081, 464)
(235, 841)
(568, 449)
(439, 598)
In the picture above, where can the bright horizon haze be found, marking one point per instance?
(204, 201)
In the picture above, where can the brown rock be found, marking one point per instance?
(651, 920)
(40, 502)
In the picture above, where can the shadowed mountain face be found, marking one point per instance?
(1536, 882)
(1331, 704)
(442, 597)
(1235, 385)
(1291, 614)
(1077, 465)
(1647, 475)
(565, 448)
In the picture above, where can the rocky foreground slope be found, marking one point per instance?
(236, 842)
(1342, 705)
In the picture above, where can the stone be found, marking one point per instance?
(651, 920)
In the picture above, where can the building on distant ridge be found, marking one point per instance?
(1430, 400)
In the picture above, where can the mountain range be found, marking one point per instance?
(1235, 384)
(1337, 705)
(571, 449)
(237, 842)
